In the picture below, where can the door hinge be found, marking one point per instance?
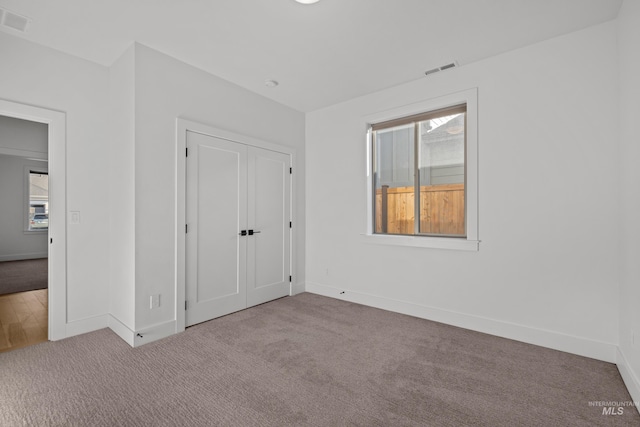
(185, 305)
(186, 228)
(290, 224)
(289, 278)
(51, 240)
(186, 152)
(290, 170)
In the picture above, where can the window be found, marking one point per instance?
(423, 174)
(38, 200)
(433, 145)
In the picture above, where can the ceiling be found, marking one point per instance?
(321, 54)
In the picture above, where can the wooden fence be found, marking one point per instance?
(441, 209)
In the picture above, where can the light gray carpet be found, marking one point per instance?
(25, 275)
(307, 361)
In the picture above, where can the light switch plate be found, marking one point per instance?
(154, 301)
(75, 217)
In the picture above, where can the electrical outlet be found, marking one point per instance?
(154, 301)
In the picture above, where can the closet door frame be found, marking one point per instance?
(182, 127)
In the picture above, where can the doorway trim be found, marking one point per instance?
(57, 234)
(182, 126)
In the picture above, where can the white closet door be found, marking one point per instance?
(268, 249)
(216, 213)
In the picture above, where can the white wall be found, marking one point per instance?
(15, 243)
(23, 135)
(121, 189)
(629, 51)
(165, 89)
(546, 271)
(39, 76)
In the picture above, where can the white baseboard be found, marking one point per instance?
(544, 338)
(297, 288)
(154, 333)
(144, 335)
(83, 326)
(20, 257)
(121, 330)
(629, 377)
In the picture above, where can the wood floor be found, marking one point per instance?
(23, 319)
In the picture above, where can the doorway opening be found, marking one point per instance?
(24, 224)
(33, 228)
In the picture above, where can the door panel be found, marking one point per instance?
(216, 212)
(268, 257)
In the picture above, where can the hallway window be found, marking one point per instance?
(38, 207)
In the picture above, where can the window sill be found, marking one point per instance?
(452, 243)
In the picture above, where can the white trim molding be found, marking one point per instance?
(469, 97)
(89, 324)
(154, 333)
(297, 288)
(544, 338)
(121, 329)
(19, 257)
(422, 242)
(631, 380)
(30, 155)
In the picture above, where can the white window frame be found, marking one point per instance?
(468, 243)
(28, 169)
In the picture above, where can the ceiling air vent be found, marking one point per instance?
(14, 21)
(442, 68)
